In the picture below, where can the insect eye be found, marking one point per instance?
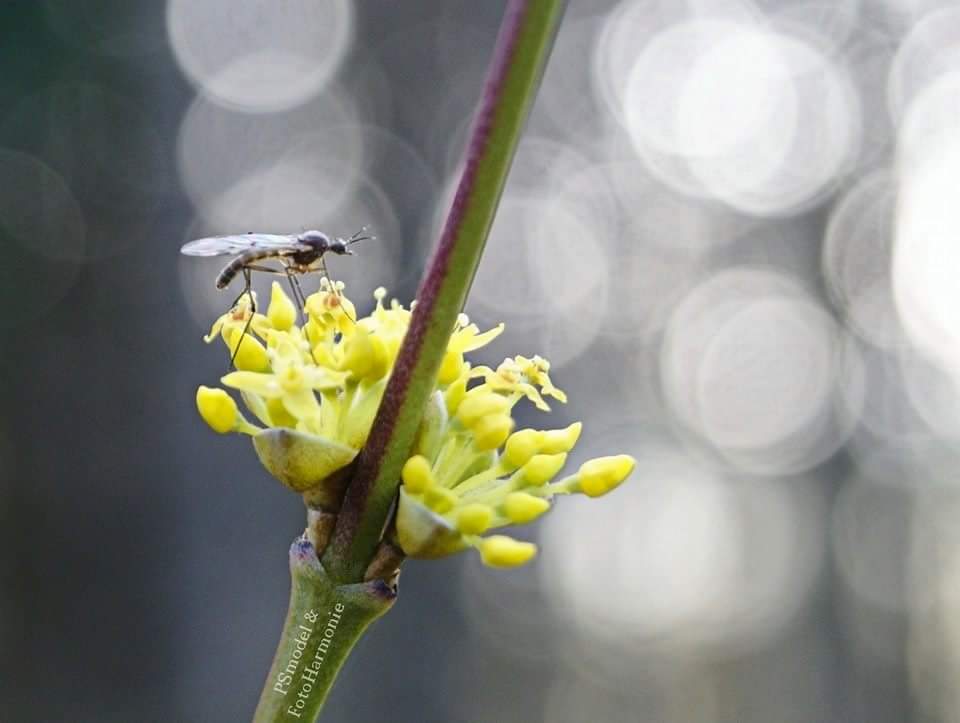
(338, 247)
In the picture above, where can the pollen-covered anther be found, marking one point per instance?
(503, 551)
(542, 468)
(416, 475)
(521, 508)
(599, 476)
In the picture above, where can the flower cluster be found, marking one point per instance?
(316, 389)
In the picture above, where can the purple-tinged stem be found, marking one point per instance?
(519, 58)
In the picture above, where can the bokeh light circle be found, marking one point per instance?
(260, 57)
(750, 364)
(857, 258)
(38, 210)
(668, 558)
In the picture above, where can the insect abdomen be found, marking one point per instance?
(235, 266)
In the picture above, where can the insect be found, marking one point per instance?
(297, 254)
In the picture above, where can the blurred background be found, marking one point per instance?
(732, 226)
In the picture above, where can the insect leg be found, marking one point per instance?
(253, 310)
(297, 291)
(289, 272)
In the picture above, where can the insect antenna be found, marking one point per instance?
(359, 236)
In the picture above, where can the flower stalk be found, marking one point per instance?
(526, 37)
(324, 622)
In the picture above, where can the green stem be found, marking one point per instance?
(324, 622)
(524, 43)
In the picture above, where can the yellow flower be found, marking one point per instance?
(236, 320)
(292, 381)
(220, 411)
(522, 376)
(474, 475)
(323, 379)
(317, 386)
(281, 313)
(503, 551)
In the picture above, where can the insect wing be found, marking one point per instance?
(234, 245)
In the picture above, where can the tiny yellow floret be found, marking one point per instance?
(542, 468)
(217, 409)
(503, 551)
(520, 447)
(416, 474)
(455, 393)
(554, 441)
(475, 407)
(599, 476)
(440, 499)
(291, 379)
(358, 354)
(490, 432)
(520, 507)
(281, 312)
(474, 519)
(251, 356)
(450, 368)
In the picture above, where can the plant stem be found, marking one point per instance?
(519, 58)
(324, 622)
(309, 655)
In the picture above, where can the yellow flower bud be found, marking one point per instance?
(440, 499)
(554, 441)
(251, 356)
(416, 475)
(217, 409)
(503, 551)
(450, 368)
(599, 476)
(358, 356)
(491, 432)
(281, 312)
(476, 406)
(542, 468)
(520, 507)
(474, 519)
(520, 447)
(455, 393)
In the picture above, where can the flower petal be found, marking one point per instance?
(301, 403)
(264, 385)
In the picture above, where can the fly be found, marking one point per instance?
(297, 254)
